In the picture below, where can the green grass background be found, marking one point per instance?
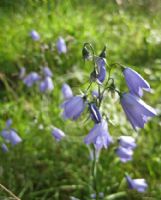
(39, 168)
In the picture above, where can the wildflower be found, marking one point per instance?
(46, 84)
(125, 154)
(10, 134)
(95, 114)
(101, 67)
(47, 71)
(61, 46)
(31, 78)
(99, 136)
(73, 107)
(135, 82)
(67, 91)
(58, 134)
(136, 110)
(137, 184)
(127, 142)
(4, 148)
(34, 35)
(101, 195)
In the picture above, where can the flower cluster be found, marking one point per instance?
(136, 110)
(60, 43)
(43, 79)
(10, 135)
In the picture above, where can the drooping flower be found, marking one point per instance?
(101, 65)
(9, 134)
(127, 142)
(47, 71)
(136, 110)
(58, 134)
(67, 91)
(125, 154)
(61, 45)
(99, 136)
(95, 113)
(137, 184)
(73, 107)
(4, 148)
(31, 78)
(46, 84)
(13, 137)
(34, 35)
(8, 123)
(135, 82)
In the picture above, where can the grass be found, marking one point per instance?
(40, 168)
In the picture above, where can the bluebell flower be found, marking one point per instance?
(8, 123)
(99, 136)
(101, 65)
(9, 134)
(31, 78)
(136, 110)
(47, 71)
(58, 134)
(127, 142)
(137, 184)
(34, 35)
(135, 82)
(125, 154)
(95, 113)
(67, 91)
(46, 84)
(22, 72)
(4, 148)
(101, 195)
(61, 45)
(73, 107)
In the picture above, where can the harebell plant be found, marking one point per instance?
(90, 102)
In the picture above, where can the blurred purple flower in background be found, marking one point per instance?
(135, 82)
(99, 136)
(136, 110)
(58, 134)
(10, 134)
(31, 78)
(138, 184)
(47, 71)
(46, 84)
(61, 45)
(67, 91)
(34, 35)
(73, 107)
(125, 154)
(4, 148)
(127, 142)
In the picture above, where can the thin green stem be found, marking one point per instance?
(94, 174)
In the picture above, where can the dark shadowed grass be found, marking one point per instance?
(40, 168)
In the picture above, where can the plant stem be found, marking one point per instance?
(9, 192)
(94, 174)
